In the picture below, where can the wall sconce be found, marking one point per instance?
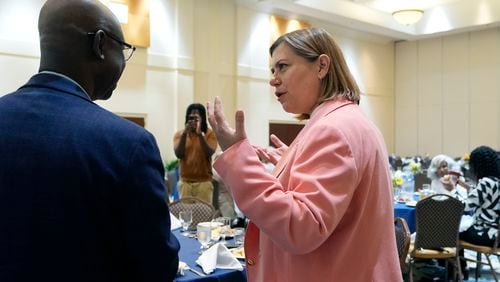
(408, 17)
(280, 26)
(133, 16)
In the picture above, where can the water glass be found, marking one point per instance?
(396, 194)
(186, 218)
(204, 234)
(426, 186)
(225, 229)
(239, 236)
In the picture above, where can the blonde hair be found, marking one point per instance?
(310, 43)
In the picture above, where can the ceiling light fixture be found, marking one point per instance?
(408, 17)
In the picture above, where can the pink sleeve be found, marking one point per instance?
(302, 208)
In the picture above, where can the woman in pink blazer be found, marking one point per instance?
(325, 213)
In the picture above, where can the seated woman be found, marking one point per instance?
(483, 199)
(446, 178)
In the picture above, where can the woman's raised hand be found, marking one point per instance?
(226, 136)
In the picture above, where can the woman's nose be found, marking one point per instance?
(274, 81)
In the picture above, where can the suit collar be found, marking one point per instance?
(322, 110)
(68, 78)
(56, 82)
(327, 107)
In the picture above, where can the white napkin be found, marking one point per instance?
(174, 222)
(218, 256)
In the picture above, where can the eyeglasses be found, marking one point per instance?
(128, 49)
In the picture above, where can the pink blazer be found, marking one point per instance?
(326, 214)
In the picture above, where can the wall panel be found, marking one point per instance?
(199, 50)
(406, 98)
(458, 93)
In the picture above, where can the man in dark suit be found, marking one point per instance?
(81, 189)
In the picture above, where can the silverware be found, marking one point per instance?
(196, 272)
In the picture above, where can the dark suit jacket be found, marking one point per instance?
(81, 191)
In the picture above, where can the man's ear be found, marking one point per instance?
(324, 65)
(98, 43)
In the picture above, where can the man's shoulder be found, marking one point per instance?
(116, 123)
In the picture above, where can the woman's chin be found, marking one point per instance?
(287, 109)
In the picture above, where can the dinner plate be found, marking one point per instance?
(411, 203)
(238, 253)
(230, 233)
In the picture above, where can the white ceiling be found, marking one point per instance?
(375, 16)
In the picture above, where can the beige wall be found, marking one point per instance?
(448, 94)
(201, 49)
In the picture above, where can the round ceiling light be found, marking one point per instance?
(408, 17)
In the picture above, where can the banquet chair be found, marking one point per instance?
(486, 250)
(438, 220)
(202, 211)
(403, 238)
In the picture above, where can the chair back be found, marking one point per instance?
(438, 220)
(403, 238)
(421, 179)
(202, 211)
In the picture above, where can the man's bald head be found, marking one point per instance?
(66, 15)
(67, 48)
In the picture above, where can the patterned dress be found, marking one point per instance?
(484, 202)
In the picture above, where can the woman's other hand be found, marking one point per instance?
(272, 155)
(226, 136)
(281, 147)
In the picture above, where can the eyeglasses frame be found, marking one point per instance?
(126, 46)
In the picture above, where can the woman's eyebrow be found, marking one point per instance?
(272, 67)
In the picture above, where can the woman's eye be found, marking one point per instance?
(279, 67)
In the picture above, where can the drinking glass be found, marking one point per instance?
(204, 234)
(396, 194)
(225, 229)
(186, 218)
(239, 236)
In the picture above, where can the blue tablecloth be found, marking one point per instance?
(189, 253)
(406, 212)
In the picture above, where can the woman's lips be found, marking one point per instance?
(279, 94)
